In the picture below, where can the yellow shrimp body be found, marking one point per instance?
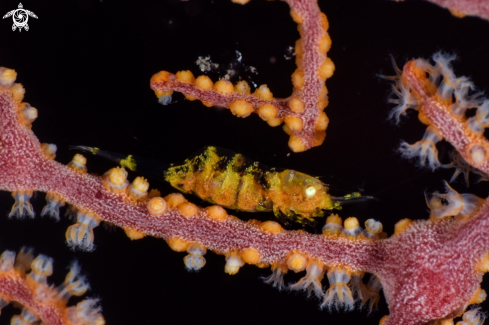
(232, 181)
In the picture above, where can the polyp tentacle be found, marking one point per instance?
(41, 302)
(432, 97)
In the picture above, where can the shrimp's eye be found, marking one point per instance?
(310, 191)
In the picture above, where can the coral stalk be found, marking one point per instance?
(435, 281)
(445, 117)
(24, 167)
(462, 8)
(302, 112)
(23, 280)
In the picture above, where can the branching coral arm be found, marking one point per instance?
(432, 97)
(26, 167)
(302, 112)
(461, 8)
(23, 280)
(441, 100)
(419, 284)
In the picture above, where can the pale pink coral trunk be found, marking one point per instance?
(427, 272)
(479, 8)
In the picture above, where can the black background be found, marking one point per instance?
(86, 66)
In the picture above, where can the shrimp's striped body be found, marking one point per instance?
(233, 181)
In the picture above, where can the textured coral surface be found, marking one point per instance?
(86, 67)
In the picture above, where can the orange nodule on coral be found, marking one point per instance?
(298, 79)
(327, 69)
(293, 123)
(188, 209)
(296, 262)
(233, 263)
(334, 218)
(224, 87)
(250, 256)
(139, 188)
(161, 76)
(296, 105)
(296, 144)
(185, 76)
(273, 122)
(241, 108)
(323, 99)
(351, 223)
(477, 153)
(134, 234)
(267, 112)
(483, 265)
(324, 44)
(402, 225)
(240, 2)
(217, 213)
(263, 92)
(49, 150)
(479, 296)
(423, 118)
(18, 92)
(204, 83)
(296, 16)
(318, 138)
(333, 226)
(26, 114)
(78, 164)
(262, 265)
(157, 206)
(322, 122)
(299, 50)
(115, 180)
(324, 22)
(178, 244)
(154, 193)
(174, 199)
(242, 88)
(161, 93)
(271, 227)
(7, 76)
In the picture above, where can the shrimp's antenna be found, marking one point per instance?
(144, 166)
(353, 198)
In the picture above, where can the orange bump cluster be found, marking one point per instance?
(351, 228)
(26, 114)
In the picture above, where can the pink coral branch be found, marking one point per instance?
(41, 302)
(448, 118)
(461, 8)
(23, 166)
(15, 288)
(302, 112)
(436, 280)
